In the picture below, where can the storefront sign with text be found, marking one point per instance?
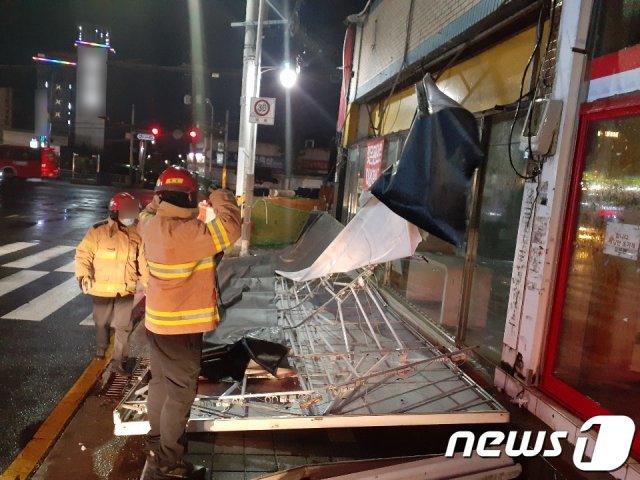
(373, 161)
(622, 240)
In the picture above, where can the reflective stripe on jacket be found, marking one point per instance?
(112, 255)
(181, 296)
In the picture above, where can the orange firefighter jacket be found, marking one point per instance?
(112, 255)
(181, 297)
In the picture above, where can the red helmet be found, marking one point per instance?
(123, 201)
(176, 179)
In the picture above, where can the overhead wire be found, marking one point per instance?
(534, 75)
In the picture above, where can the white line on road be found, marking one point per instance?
(19, 279)
(88, 321)
(40, 257)
(15, 247)
(68, 268)
(41, 307)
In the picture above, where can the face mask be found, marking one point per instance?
(127, 222)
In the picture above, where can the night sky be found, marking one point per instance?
(156, 32)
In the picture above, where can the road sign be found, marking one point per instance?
(263, 110)
(146, 136)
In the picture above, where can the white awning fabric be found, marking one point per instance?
(375, 235)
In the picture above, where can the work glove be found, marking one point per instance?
(85, 284)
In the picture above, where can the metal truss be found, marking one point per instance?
(352, 362)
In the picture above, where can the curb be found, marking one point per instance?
(43, 440)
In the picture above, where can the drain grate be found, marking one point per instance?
(120, 385)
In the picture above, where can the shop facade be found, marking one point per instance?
(545, 286)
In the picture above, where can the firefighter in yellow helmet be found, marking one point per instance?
(109, 263)
(181, 305)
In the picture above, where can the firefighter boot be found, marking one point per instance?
(181, 471)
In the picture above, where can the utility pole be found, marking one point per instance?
(256, 15)
(210, 175)
(133, 119)
(247, 135)
(142, 152)
(226, 149)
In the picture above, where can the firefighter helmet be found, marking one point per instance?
(123, 201)
(176, 179)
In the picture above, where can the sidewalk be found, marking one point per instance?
(88, 450)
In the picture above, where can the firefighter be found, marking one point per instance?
(181, 306)
(109, 263)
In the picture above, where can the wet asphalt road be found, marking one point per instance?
(40, 360)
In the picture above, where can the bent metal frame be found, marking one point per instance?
(352, 362)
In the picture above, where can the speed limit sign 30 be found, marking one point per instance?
(263, 110)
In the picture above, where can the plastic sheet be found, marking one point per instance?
(428, 186)
(231, 361)
(375, 235)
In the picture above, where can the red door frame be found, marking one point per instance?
(554, 387)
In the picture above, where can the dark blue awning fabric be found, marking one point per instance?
(429, 185)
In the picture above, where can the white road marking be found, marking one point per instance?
(68, 268)
(88, 321)
(40, 257)
(41, 307)
(15, 247)
(19, 279)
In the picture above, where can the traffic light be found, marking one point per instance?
(193, 134)
(155, 131)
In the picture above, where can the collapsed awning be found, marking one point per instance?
(352, 361)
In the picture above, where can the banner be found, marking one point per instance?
(373, 162)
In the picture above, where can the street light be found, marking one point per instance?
(288, 76)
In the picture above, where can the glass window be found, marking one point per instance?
(431, 281)
(497, 235)
(616, 26)
(354, 178)
(598, 353)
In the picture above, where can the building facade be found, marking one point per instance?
(6, 108)
(544, 286)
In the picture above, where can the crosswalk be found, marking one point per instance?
(40, 257)
(37, 282)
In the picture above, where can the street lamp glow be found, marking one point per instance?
(288, 76)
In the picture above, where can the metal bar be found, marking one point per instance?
(384, 316)
(366, 317)
(441, 357)
(433, 399)
(345, 401)
(230, 389)
(470, 404)
(253, 24)
(344, 330)
(377, 385)
(471, 252)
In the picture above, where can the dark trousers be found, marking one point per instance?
(175, 366)
(113, 312)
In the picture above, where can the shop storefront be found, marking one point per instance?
(592, 364)
(461, 294)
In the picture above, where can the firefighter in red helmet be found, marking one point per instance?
(181, 305)
(109, 263)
